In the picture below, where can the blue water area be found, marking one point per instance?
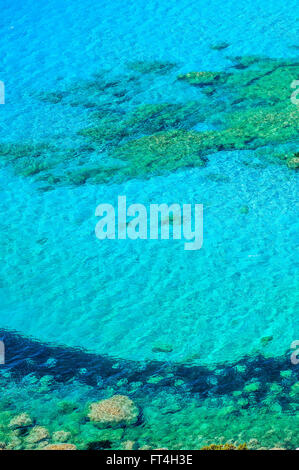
(112, 313)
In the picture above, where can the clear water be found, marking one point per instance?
(62, 287)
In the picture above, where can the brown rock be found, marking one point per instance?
(20, 420)
(37, 434)
(114, 411)
(61, 436)
(128, 445)
(60, 447)
(293, 162)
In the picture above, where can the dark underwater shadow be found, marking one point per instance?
(26, 356)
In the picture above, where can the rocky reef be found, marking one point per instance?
(121, 135)
(204, 78)
(93, 402)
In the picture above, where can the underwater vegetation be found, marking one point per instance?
(124, 132)
(120, 137)
(69, 399)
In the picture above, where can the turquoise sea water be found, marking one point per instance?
(227, 313)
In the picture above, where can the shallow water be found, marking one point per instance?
(228, 310)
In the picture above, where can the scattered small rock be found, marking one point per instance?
(293, 162)
(219, 46)
(266, 340)
(244, 210)
(161, 347)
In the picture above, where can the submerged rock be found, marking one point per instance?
(37, 434)
(266, 340)
(162, 347)
(128, 445)
(60, 447)
(244, 210)
(14, 444)
(293, 162)
(114, 411)
(61, 436)
(20, 421)
(218, 46)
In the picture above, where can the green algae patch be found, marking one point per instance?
(266, 340)
(95, 175)
(110, 130)
(273, 87)
(259, 111)
(286, 374)
(295, 390)
(263, 126)
(162, 151)
(147, 118)
(204, 78)
(252, 387)
(248, 107)
(14, 151)
(151, 118)
(155, 379)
